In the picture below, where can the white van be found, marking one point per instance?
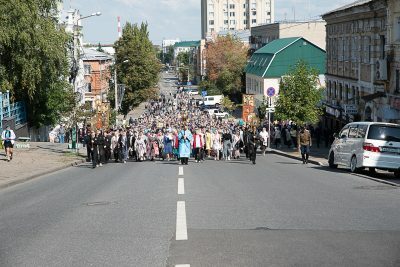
(373, 145)
(212, 100)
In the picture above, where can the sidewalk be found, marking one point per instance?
(40, 159)
(318, 156)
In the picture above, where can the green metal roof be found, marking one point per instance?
(187, 44)
(276, 58)
(276, 45)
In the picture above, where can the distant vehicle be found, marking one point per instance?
(218, 113)
(191, 91)
(212, 100)
(373, 145)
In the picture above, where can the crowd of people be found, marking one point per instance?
(175, 128)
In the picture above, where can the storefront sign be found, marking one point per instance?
(350, 109)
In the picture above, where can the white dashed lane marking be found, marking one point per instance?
(181, 228)
(182, 265)
(180, 170)
(181, 186)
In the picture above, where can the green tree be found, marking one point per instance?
(183, 58)
(137, 65)
(34, 60)
(100, 48)
(169, 56)
(228, 104)
(262, 109)
(299, 95)
(226, 59)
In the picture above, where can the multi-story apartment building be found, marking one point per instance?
(223, 15)
(356, 68)
(391, 111)
(313, 31)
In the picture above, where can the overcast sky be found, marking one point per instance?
(171, 19)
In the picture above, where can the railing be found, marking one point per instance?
(15, 110)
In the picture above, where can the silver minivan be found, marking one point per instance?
(373, 145)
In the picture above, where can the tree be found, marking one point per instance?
(227, 104)
(137, 65)
(262, 109)
(183, 58)
(299, 95)
(99, 48)
(226, 59)
(34, 60)
(169, 56)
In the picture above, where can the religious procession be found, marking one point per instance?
(176, 128)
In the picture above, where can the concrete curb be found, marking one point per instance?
(50, 171)
(280, 153)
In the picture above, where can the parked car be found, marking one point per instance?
(218, 113)
(373, 145)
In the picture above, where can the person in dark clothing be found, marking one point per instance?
(108, 146)
(101, 145)
(88, 142)
(227, 144)
(246, 137)
(252, 144)
(94, 149)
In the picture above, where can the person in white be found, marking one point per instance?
(264, 135)
(8, 140)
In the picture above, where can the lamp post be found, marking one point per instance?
(116, 84)
(76, 59)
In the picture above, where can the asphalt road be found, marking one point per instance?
(276, 213)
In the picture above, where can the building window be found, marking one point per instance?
(253, 5)
(244, 6)
(211, 14)
(211, 7)
(254, 13)
(211, 22)
(382, 46)
(244, 22)
(88, 69)
(268, 13)
(225, 14)
(226, 22)
(89, 87)
(233, 22)
(211, 29)
(253, 21)
(397, 29)
(397, 81)
(231, 14)
(232, 6)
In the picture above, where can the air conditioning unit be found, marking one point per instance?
(381, 73)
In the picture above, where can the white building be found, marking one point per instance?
(73, 26)
(223, 15)
(168, 43)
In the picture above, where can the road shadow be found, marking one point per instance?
(289, 163)
(385, 176)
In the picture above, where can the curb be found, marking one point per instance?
(50, 171)
(280, 153)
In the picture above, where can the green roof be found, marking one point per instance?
(187, 44)
(276, 45)
(276, 58)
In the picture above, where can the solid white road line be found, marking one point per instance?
(181, 186)
(182, 265)
(180, 170)
(181, 228)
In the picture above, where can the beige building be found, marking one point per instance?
(391, 110)
(224, 15)
(356, 77)
(313, 31)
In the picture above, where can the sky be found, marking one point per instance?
(174, 19)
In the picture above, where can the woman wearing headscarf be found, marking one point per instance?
(185, 138)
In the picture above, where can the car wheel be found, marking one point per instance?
(331, 161)
(397, 174)
(372, 170)
(353, 164)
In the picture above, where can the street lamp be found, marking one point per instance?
(116, 84)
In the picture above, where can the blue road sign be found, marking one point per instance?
(203, 93)
(271, 91)
(189, 83)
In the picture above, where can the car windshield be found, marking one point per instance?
(384, 133)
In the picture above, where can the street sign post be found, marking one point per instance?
(271, 92)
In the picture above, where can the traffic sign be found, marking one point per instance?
(203, 93)
(271, 92)
(270, 110)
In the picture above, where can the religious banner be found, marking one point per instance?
(248, 108)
